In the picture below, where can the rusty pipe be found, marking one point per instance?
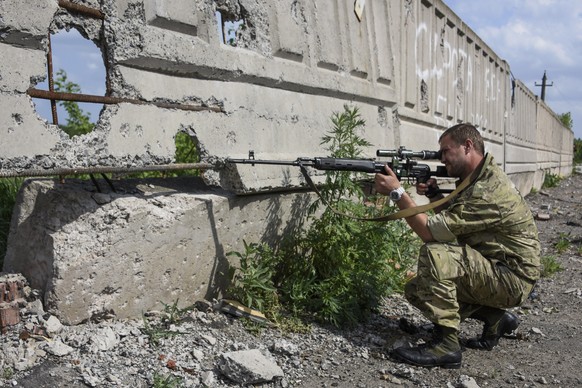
(78, 97)
(82, 9)
(105, 169)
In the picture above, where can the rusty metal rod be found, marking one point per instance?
(105, 169)
(51, 81)
(82, 9)
(78, 97)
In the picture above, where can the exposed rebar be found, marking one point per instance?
(38, 172)
(82, 9)
(78, 97)
(51, 81)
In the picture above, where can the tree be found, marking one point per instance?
(577, 150)
(566, 119)
(78, 122)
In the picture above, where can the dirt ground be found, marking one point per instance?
(545, 351)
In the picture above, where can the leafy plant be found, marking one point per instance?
(7, 373)
(168, 381)
(551, 180)
(174, 314)
(563, 243)
(566, 119)
(549, 266)
(156, 333)
(577, 150)
(78, 121)
(338, 268)
(252, 283)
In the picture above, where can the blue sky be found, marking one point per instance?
(533, 36)
(82, 61)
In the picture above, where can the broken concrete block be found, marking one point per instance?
(249, 367)
(544, 213)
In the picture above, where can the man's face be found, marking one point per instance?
(453, 157)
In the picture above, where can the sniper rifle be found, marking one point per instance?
(402, 163)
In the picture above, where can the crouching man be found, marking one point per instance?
(481, 253)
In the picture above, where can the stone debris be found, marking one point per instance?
(202, 347)
(467, 382)
(249, 367)
(544, 213)
(206, 348)
(58, 348)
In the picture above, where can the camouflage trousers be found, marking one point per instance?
(454, 281)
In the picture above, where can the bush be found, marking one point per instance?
(551, 180)
(577, 150)
(339, 268)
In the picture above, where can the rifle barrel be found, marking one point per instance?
(260, 161)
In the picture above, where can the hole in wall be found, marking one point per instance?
(187, 151)
(228, 26)
(78, 67)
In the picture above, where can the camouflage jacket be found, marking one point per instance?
(492, 217)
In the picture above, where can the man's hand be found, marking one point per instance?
(385, 183)
(430, 188)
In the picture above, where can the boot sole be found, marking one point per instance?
(451, 365)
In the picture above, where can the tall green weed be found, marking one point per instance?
(339, 268)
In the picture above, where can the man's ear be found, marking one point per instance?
(468, 145)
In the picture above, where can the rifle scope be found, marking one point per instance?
(408, 154)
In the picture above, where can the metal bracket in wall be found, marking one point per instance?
(359, 9)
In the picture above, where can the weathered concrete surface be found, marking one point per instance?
(413, 68)
(25, 23)
(155, 241)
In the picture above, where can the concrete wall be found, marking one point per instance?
(413, 68)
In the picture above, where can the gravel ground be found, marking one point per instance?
(546, 350)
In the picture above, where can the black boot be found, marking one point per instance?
(497, 324)
(445, 353)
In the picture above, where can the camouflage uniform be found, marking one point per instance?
(486, 252)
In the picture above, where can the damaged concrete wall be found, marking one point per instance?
(124, 252)
(275, 90)
(411, 67)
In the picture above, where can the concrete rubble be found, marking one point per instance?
(249, 367)
(122, 252)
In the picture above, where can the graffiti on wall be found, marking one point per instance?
(443, 67)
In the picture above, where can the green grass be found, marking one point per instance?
(563, 243)
(551, 180)
(550, 266)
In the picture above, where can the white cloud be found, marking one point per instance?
(534, 36)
